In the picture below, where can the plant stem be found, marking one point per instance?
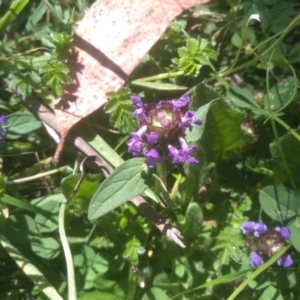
(40, 175)
(67, 252)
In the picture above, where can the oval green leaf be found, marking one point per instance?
(125, 183)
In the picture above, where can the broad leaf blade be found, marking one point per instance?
(124, 184)
(278, 202)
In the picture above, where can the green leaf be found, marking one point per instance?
(20, 204)
(133, 249)
(85, 257)
(36, 16)
(19, 228)
(45, 247)
(48, 221)
(294, 227)
(125, 183)
(291, 150)
(271, 293)
(20, 123)
(55, 76)
(23, 63)
(101, 263)
(280, 94)
(15, 8)
(155, 294)
(218, 120)
(161, 280)
(193, 220)
(80, 201)
(278, 202)
(194, 55)
(160, 86)
(241, 97)
(120, 108)
(24, 82)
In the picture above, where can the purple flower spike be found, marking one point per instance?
(188, 119)
(135, 144)
(285, 261)
(248, 227)
(259, 229)
(182, 102)
(255, 259)
(152, 138)
(153, 157)
(140, 111)
(284, 232)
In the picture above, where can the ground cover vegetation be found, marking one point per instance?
(205, 129)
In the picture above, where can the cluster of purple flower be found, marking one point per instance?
(266, 242)
(161, 130)
(2, 130)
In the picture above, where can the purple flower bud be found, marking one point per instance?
(285, 261)
(152, 138)
(188, 119)
(259, 229)
(248, 227)
(153, 157)
(284, 232)
(255, 259)
(140, 111)
(181, 102)
(135, 144)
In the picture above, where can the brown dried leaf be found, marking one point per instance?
(110, 42)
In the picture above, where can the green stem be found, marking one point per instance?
(160, 76)
(40, 175)
(67, 252)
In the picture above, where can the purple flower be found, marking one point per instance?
(284, 232)
(248, 227)
(2, 129)
(259, 229)
(135, 144)
(140, 111)
(163, 123)
(255, 259)
(188, 119)
(153, 157)
(152, 138)
(285, 261)
(181, 102)
(182, 155)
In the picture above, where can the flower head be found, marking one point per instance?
(164, 124)
(266, 242)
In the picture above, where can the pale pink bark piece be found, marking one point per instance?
(111, 40)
